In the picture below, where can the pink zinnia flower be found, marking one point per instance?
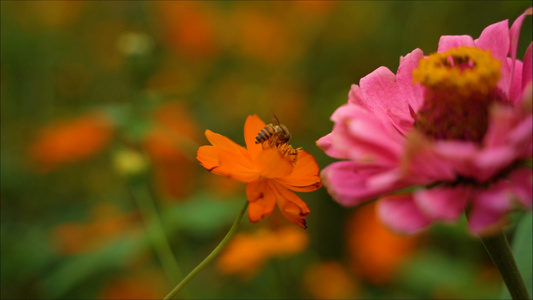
(457, 125)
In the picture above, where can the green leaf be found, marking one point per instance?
(433, 273)
(522, 245)
(200, 215)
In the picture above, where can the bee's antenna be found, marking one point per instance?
(275, 117)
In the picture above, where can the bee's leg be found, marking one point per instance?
(274, 141)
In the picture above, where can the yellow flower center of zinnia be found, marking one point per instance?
(460, 84)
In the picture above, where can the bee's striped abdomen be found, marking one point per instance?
(265, 133)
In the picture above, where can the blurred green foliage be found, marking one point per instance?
(217, 62)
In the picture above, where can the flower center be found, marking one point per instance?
(460, 84)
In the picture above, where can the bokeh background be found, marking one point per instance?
(104, 103)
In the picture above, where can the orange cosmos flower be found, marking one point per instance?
(377, 252)
(189, 27)
(171, 144)
(106, 224)
(70, 141)
(271, 172)
(247, 253)
(330, 280)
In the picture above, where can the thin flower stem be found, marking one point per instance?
(211, 255)
(156, 232)
(502, 256)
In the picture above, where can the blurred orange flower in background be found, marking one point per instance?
(139, 283)
(246, 253)
(170, 144)
(106, 223)
(262, 36)
(375, 250)
(271, 172)
(70, 141)
(330, 280)
(188, 27)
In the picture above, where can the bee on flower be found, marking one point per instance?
(274, 134)
(272, 170)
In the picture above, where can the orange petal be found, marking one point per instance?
(262, 199)
(292, 207)
(252, 126)
(272, 164)
(221, 141)
(208, 157)
(232, 164)
(305, 175)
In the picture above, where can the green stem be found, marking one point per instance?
(502, 256)
(211, 255)
(156, 232)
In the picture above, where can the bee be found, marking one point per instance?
(277, 134)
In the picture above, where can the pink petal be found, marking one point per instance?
(502, 120)
(401, 213)
(325, 143)
(508, 138)
(423, 160)
(373, 87)
(387, 178)
(515, 32)
(447, 42)
(413, 92)
(521, 137)
(515, 89)
(481, 218)
(489, 206)
(527, 67)
(441, 203)
(368, 139)
(350, 183)
(382, 95)
(490, 161)
(522, 181)
(355, 96)
(359, 135)
(495, 38)
(514, 35)
(463, 159)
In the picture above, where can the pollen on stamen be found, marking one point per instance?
(465, 70)
(288, 151)
(460, 84)
(285, 149)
